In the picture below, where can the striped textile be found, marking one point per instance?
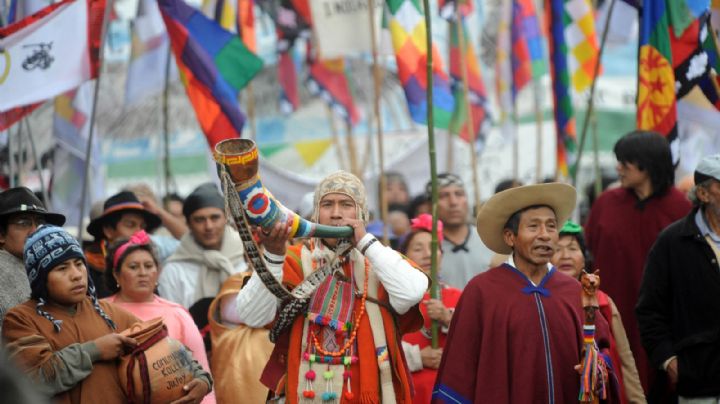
(214, 66)
(407, 28)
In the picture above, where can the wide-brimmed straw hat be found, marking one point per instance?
(497, 210)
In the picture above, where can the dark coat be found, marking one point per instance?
(679, 307)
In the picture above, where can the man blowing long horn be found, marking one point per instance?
(342, 345)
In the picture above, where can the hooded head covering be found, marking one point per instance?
(342, 182)
(45, 248)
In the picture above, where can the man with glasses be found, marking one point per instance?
(21, 212)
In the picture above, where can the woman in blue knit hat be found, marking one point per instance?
(63, 337)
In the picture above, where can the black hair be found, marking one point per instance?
(407, 238)
(507, 184)
(650, 152)
(111, 269)
(513, 222)
(415, 203)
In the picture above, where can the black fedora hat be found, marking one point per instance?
(23, 200)
(124, 202)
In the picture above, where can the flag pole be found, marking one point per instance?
(43, 189)
(591, 101)
(539, 127)
(166, 121)
(377, 90)
(11, 159)
(434, 289)
(251, 109)
(352, 150)
(516, 147)
(449, 166)
(469, 124)
(342, 163)
(93, 115)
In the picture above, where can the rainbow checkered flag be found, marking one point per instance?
(407, 28)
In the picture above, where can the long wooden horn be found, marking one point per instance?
(240, 158)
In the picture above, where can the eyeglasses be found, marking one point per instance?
(27, 221)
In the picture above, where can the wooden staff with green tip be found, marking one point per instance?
(434, 289)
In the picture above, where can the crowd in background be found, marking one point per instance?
(183, 260)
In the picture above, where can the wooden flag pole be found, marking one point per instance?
(591, 101)
(516, 147)
(377, 93)
(469, 124)
(434, 289)
(33, 148)
(539, 127)
(342, 163)
(352, 150)
(251, 111)
(11, 158)
(93, 115)
(166, 122)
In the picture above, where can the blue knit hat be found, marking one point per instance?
(45, 248)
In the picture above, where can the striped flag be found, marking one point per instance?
(327, 79)
(581, 41)
(476, 88)
(214, 66)
(560, 76)
(407, 28)
(503, 63)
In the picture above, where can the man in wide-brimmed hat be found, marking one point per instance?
(516, 332)
(21, 212)
(123, 215)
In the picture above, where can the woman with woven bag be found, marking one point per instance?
(132, 276)
(66, 339)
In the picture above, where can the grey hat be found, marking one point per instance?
(709, 168)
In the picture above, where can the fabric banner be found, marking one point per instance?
(46, 57)
(342, 27)
(148, 55)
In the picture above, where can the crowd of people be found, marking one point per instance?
(352, 320)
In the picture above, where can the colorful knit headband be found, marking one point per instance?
(139, 238)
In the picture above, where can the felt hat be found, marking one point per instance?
(124, 202)
(495, 213)
(709, 167)
(23, 200)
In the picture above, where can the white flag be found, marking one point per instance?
(148, 55)
(45, 58)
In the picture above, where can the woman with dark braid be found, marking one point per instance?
(63, 337)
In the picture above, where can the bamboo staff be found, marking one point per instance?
(591, 101)
(434, 290)
(43, 189)
(377, 90)
(93, 115)
(469, 124)
(11, 159)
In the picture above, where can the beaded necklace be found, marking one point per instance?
(343, 356)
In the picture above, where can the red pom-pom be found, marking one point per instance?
(346, 374)
(310, 374)
(309, 394)
(348, 395)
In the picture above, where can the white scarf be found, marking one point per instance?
(215, 265)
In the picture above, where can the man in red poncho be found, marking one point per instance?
(515, 336)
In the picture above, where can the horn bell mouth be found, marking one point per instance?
(240, 157)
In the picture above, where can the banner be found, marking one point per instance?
(46, 57)
(342, 27)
